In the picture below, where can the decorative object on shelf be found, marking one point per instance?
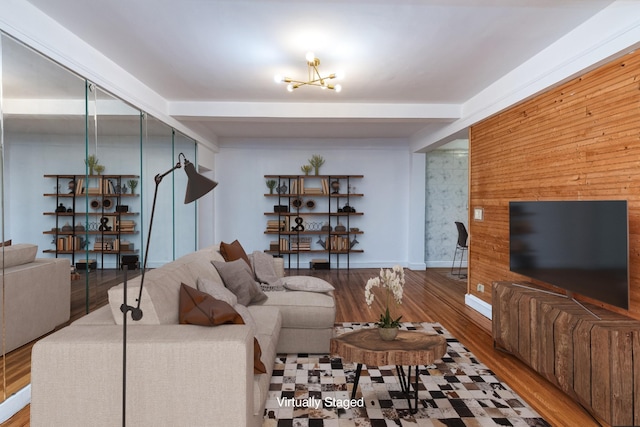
(91, 161)
(104, 224)
(99, 169)
(347, 208)
(282, 188)
(117, 188)
(61, 208)
(280, 208)
(79, 227)
(322, 243)
(298, 226)
(72, 186)
(311, 204)
(392, 280)
(340, 228)
(271, 184)
(67, 227)
(124, 188)
(107, 204)
(335, 186)
(69, 210)
(326, 227)
(313, 75)
(132, 185)
(306, 169)
(353, 243)
(296, 203)
(95, 204)
(316, 161)
(122, 208)
(354, 229)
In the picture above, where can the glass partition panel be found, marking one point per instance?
(42, 134)
(158, 157)
(111, 197)
(185, 215)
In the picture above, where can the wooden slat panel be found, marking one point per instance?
(577, 141)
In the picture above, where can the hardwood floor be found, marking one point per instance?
(429, 296)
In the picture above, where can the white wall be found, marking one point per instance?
(386, 166)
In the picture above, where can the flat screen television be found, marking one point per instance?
(580, 246)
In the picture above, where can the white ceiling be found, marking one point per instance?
(409, 64)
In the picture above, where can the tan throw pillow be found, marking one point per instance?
(237, 277)
(200, 308)
(307, 283)
(233, 251)
(217, 290)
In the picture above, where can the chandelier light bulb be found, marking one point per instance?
(310, 56)
(278, 78)
(338, 88)
(339, 74)
(290, 87)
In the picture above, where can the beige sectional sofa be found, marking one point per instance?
(177, 374)
(37, 294)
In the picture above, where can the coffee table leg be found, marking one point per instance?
(356, 381)
(405, 386)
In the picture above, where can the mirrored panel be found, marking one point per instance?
(43, 131)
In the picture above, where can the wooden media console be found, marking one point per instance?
(595, 360)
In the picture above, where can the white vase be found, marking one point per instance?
(388, 334)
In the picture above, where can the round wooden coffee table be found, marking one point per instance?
(410, 348)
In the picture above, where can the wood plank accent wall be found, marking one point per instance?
(577, 141)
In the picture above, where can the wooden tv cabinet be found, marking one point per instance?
(596, 362)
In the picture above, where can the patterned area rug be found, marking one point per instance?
(314, 391)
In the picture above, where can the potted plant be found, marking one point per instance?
(132, 185)
(392, 280)
(271, 184)
(316, 161)
(91, 161)
(306, 169)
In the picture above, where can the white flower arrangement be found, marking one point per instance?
(393, 281)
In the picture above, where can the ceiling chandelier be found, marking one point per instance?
(314, 77)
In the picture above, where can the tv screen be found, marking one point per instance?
(580, 246)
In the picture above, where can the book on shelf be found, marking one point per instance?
(125, 225)
(68, 243)
(340, 243)
(300, 243)
(278, 224)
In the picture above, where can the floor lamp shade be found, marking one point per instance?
(197, 185)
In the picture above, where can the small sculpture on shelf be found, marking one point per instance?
(322, 243)
(335, 186)
(306, 169)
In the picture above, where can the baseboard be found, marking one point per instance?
(15, 403)
(445, 264)
(478, 305)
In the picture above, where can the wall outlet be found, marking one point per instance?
(480, 287)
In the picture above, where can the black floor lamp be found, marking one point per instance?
(197, 186)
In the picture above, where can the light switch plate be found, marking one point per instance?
(478, 214)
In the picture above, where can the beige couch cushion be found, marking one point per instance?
(22, 253)
(306, 310)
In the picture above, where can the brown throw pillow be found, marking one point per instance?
(233, 251)
(237, 277)
(200, 308)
